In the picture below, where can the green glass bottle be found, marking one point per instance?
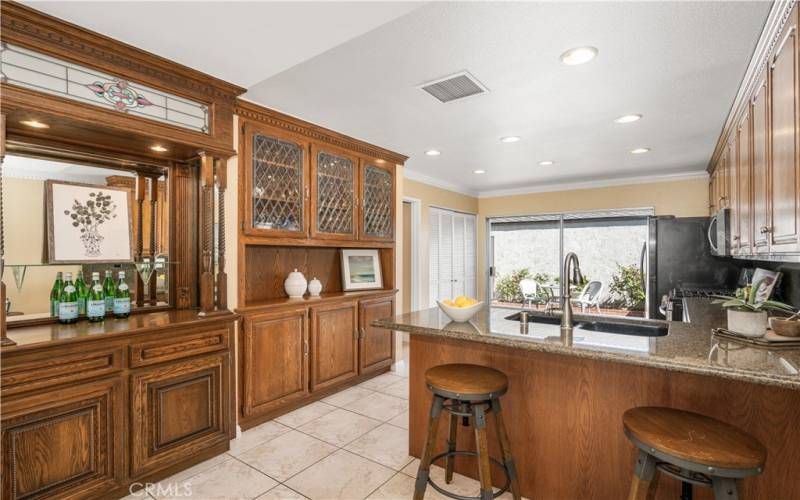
(96, 300)
(122, 298)
(83, 292)
(68, 301)
(55, 294)
(108, 291)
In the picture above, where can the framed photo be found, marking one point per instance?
(768, 281)
(87, 223)
(361, 269)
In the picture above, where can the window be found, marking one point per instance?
(452, 255)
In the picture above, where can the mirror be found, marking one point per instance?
(100, 221)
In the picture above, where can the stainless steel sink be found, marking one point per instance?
(637, 329)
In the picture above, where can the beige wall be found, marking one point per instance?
(682, 198)
(24, 226)
(431, 196)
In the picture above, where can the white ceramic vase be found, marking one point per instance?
(295, 284)
(747, 323)
(314, 287)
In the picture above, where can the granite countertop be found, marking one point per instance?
(688, 347)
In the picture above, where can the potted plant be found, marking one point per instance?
(746, 315)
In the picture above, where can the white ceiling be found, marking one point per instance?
(355, 67)
(677, 63)
(240, 42)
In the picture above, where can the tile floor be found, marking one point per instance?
(351, 445)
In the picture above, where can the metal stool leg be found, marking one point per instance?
(427, 453)
(484, 470)
(643, 485)
(451, 447)
(724, 488)
(505, 448)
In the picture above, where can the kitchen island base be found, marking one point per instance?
(564, 419)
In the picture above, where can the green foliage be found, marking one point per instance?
(507, 288)
(745, 300)
(542, 278)
(627, 283)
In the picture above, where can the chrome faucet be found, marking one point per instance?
(572, 274)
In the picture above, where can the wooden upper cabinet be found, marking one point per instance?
(377, 344)
(334, 344)
(273, 357)
(732, 198)
(743, 228)
(64, 444)
(760, 118)
(277, 184)
(784, 182)
(377, 199)
(334, 181)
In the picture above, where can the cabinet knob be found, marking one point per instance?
(766, 229)
(361, 333)
(305, 347)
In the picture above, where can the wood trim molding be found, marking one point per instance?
(260, 114)
(776, 20)
(30, 28)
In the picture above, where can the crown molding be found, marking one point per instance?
(776, 20)
(258, 113)
(433, 181)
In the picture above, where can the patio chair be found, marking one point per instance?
(590, 296)
(530, 292)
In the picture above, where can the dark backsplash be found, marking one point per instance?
(789, 290)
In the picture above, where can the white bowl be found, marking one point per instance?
(460, 314)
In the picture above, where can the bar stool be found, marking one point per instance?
(692, 448)
(467, 391)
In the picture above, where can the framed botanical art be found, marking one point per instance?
(361, 269)
(88, 223)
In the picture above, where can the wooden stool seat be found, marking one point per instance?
(695, 438)
(466, 381)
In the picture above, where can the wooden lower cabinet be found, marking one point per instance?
(273, 357)
(376, 349)
(177, 410)
(334, 344)
(65, 443)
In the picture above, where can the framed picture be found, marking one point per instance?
(87, 223)
(361, 269)
(768, 281)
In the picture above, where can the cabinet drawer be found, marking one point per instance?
(42, 373)
(183, 346)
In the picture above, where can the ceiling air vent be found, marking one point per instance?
(454, 87)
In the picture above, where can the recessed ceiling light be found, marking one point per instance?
(640, 151)
(433, 152)
(628, 118)
(510, 138)
(546, 163)
(158, 148)
(479, 171)
(34, 124)
(578, 55)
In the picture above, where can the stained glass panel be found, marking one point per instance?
(377, 202)
(334, 194)
(277, 184)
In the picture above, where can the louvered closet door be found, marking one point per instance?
(452, 255)
(445, 255)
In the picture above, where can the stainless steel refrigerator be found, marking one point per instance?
(678, 255)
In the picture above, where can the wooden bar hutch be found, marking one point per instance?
(91, 408)
(305, 193)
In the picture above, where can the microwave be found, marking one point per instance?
(719, 233)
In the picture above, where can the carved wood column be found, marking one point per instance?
(152, 288)
(3, 339)
(206, 233)
(222, 276)
(141, 187)
(184, 235)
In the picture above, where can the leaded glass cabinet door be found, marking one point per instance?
(333, 193)
(277, 184)
(377, 203)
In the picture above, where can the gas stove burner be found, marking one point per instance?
(702, 292)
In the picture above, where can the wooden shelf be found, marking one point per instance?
(325, 298)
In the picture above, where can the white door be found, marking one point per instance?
(452, 255)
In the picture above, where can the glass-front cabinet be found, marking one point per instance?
(377, 203)
(333, 193)
(277, 184)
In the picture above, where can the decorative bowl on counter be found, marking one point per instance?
(785, 328)
(460, 314)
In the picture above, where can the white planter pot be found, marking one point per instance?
(295, 284)
(747, 323)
